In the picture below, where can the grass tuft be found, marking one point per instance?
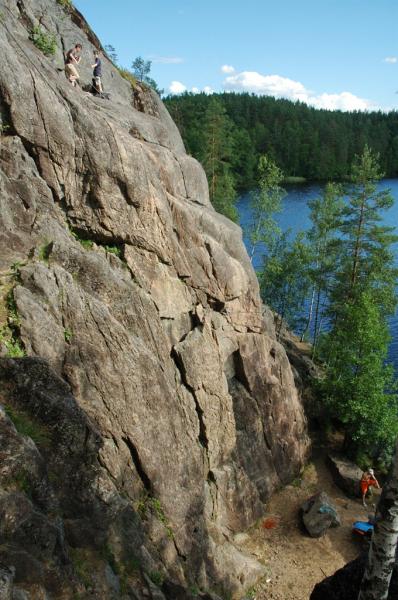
(46, 42)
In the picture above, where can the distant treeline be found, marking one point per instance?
(303, 141)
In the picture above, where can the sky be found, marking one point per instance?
(334, 54)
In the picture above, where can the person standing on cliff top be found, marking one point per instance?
(72, 59)
(97, 73)
(368, 480)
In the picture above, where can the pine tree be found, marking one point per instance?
(141, 68)
(216, 158)
(359, 386)
(323, 237)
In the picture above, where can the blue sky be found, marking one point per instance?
(329, 53)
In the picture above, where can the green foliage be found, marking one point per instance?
(301, 140)
(265, 203)
(325, 247)
(284, 279)
(68, 335)
(14, 346)
(108, 556)
(150, 503)
(66, 4)
(141, 70)
(22, 482)
(87, 244)
(13, 316)
(116, 250)
(16, 270)
(45, 251)
(194, 590)
(215, 158)
(359, 386)
(9, 332)
(82, 565)
(46, 42)
(26, 425)
(156, 577)
(4, 128)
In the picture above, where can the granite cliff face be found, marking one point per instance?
(162, 410)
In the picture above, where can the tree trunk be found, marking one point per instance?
(358, 243)
(376, 580)
(309, 320)
(317, 326)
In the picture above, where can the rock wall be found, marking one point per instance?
(169, 410)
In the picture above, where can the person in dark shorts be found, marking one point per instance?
(97, 73)
(72, 59)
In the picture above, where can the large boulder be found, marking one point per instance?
(140, 315)
(318, 514)
(346, 474)
(345, 583)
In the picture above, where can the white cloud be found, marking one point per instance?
(166, 60)
(227, 69)
(282, 87)
(342, 101)
(390, 59)
(176, 87)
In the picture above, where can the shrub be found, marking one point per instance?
(46, 42)
(156, 577)
(68, 335)
(9, 332)
(45, 251)
(114, 250)
(14, 347)
(66, 4)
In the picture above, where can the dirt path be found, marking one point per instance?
(294, 561)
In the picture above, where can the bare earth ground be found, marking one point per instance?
(294, 561)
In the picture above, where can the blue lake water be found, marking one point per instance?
(295, 216)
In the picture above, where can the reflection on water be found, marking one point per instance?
(295, 216)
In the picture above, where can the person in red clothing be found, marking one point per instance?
(368, 480)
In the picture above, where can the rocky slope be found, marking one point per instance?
(155, 412)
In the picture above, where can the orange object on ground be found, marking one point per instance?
(271, 523)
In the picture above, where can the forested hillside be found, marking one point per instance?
(302, 141)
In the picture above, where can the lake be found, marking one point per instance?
(295, 216)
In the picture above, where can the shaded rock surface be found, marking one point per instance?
(346, 474)
(170, 412)
(318, 514)
(345, 583)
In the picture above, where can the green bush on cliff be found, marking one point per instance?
(66, 4)
(46, 42)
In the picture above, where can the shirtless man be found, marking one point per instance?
(73, 58)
